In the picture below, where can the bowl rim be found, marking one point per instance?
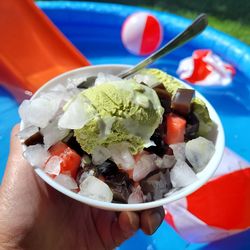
(181, 193)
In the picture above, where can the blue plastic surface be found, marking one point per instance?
(94, 28)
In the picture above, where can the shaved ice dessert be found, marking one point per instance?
(118, 140)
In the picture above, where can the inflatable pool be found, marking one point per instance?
(94, 28)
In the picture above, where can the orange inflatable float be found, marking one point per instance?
(32, 49)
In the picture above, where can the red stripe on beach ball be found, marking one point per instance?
(152, 36)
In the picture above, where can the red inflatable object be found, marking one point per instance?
(218, 209)
(205, 68)
(201, 68)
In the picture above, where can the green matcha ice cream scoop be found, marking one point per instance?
(115, 112)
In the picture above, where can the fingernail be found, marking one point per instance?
(131, 227)
(155, 221)
(133, 221)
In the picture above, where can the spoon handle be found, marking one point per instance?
(195, 28)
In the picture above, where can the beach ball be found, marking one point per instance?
(141, 33)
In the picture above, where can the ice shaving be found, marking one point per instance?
(118, 140)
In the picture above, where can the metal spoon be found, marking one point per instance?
(195, 28)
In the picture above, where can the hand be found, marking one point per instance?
(33, 215)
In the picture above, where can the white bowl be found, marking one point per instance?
(203, 176)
